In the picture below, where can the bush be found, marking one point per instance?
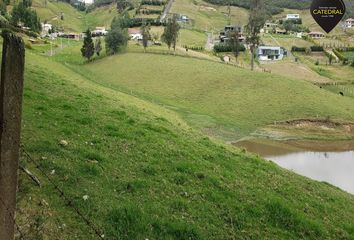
(340, 56)
(28, 45)
(316, 48)
(312, 48)
(153, 2)
(194, 48)
(222, 47)
(298, 49)
(138, 22)
(150, 11)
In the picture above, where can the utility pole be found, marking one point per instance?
(11, 90)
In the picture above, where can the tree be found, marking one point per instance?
(256, 21)
(123, 21)
(88, 49)
(22, 13)
(234, 42)
(145, 31)
(116, 40)
(121, 5)
(171, 32)
(98, 47)
(288, 26)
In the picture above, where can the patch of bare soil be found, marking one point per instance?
(310, 129)
(207, 8)
(321, 124)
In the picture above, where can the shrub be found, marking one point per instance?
(316, 48)
(223, 47)
(194, 48)
(153, 2)
(298, 49)
(340, 56)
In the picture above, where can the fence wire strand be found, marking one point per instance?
(62, 194)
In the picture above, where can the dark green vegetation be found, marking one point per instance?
(22, 13)
(219, 99)
(147, 175)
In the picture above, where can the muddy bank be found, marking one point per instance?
(310, 129)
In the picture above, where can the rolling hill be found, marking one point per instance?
(277, 6)
(136, 170)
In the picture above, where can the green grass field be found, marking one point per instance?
(217, 98)
(146, 173)
(209, 17)
(102, 16)
(73, 19)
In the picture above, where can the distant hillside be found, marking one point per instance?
(277, 6)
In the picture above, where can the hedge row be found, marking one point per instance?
(194, 48)
(340, 56)
(138, 22)
(150, 11)
(153, 2)
(303, 49)
(222, 47)
(346, 49)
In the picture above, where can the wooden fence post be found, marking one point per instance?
(11, 90)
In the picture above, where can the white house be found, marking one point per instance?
(99, 31)
(87, 2)
(135, 34)
(46, 27)
(292, 16)
(316, 35)
(349, 23)
(270, 53)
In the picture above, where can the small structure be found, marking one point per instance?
(183, 19)
(75, 36)
(292, 16)
(135, 34)
(270, 53)
(99, 31)
(269, 27)
(86, 2)
(349, 23)
(223, 36)
(46, 27)
(226, 58)
(316, 35)
(280, 31)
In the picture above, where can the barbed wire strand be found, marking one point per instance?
(64, 196)
(13, 218)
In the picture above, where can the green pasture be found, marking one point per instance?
(145, 174)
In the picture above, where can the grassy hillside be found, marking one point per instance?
(217, 98)
(146, 174)
(51, 11)
(277, 6)
(74, 20)
(101, 16)
(207, 16)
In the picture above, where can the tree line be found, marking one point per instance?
(21, 15)
(117, 37)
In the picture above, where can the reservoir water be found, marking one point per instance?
(331, 162)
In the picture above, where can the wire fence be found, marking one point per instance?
(68, 201)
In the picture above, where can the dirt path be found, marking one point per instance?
(167, 10)
(210, 42)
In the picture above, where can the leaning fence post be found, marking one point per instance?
(11, 90)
